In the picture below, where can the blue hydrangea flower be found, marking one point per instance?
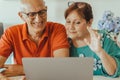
(108, 15)
(100, 24)
(117, 22)
(110, 24)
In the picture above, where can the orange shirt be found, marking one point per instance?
(16, 40)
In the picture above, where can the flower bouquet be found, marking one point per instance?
(110, 24)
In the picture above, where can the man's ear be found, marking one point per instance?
(45, 7)
(21, 16)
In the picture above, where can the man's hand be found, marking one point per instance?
(2, 61)
(13, 70)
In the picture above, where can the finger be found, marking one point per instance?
(93, 33)
(6, 66)
(5, 72)
(90, 31)
(1, 74)
(98, 35)
(2, 69)
(2, 77)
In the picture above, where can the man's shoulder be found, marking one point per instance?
(17, 26)
(15, 29)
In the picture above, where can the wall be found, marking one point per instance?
(9, 10)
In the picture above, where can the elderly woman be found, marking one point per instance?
(86, 42)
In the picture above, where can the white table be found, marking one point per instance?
(104, 78)
(94, 78)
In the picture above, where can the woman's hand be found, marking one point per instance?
(94, 43)
(108, 62)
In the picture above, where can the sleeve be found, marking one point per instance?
(114, 51)
(59, 39)
(6, 44)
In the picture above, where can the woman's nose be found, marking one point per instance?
(72, 26)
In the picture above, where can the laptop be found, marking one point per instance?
(72, 68)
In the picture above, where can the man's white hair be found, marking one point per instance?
(23, 4)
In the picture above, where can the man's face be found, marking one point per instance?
(35, 15)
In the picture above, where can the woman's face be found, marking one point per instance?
(76, 26)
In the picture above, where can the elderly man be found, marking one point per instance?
(35, 38)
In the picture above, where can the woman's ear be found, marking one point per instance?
(90, 22)
(21, 16)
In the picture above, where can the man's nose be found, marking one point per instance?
(37, 17)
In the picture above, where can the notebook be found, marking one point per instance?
(58, 68)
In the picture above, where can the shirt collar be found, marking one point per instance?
(25, 32)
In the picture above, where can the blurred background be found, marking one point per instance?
(9, 11)
(56, 8)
